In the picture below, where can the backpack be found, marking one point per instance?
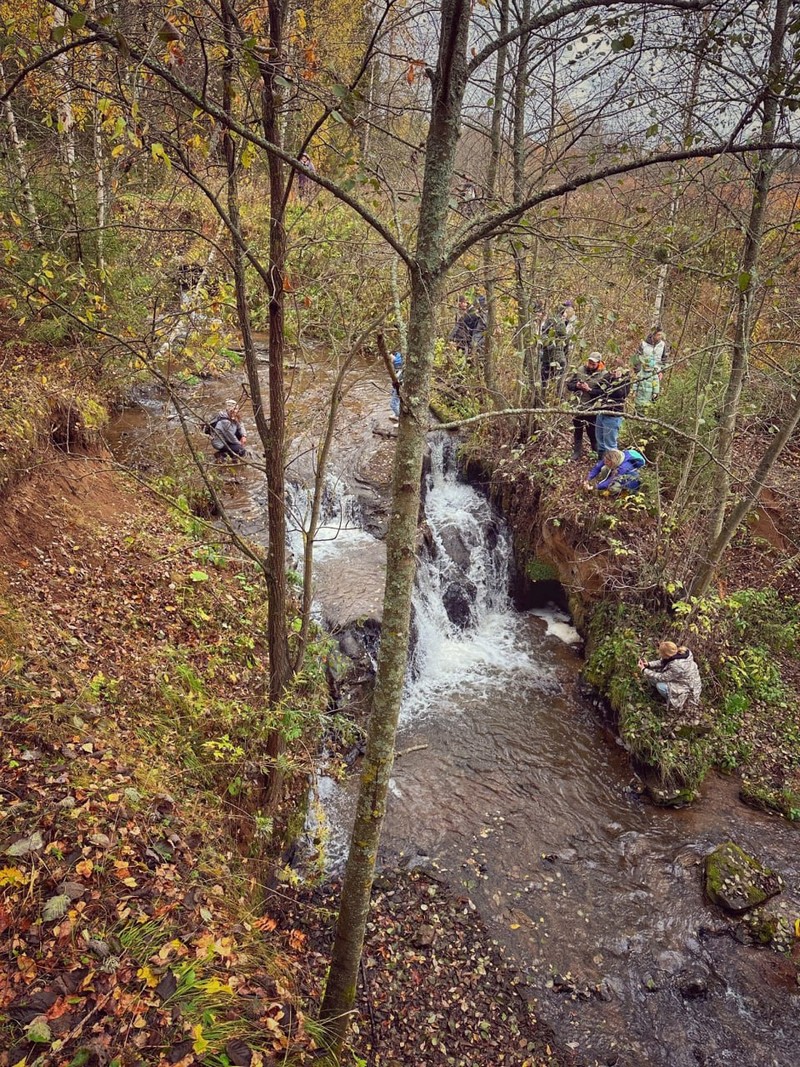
(636, 458)
(210, 427)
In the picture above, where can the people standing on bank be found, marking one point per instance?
(571, 324)
(460, 334)
(228, 437)
(587, 385)
(468, 332)
(553, 352)
(305, 185)
(615, 387)
(394, 399)
(648, 361)
(675, 676)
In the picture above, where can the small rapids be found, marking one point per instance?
(506, 781)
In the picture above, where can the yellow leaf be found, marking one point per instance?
(11, 876)
(514, 926)
(214, 985)
(117, 151)
(302, 22)
(131, 883)
(113, 798)
(200, 1044)
(145, 974)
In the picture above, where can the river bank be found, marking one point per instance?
(611, 558)
(140, 920)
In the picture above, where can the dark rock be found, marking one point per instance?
(693, 985)
(738, 882)
(425, 936)
(457, 600)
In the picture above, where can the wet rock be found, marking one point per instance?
(457, 600)
(671, 962)
(738, 882)
(693, 984)
(608, 988)
(453, 543)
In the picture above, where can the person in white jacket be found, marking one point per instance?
(675, 676)
(648, 361)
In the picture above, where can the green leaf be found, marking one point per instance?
(341, 92)
(282, 82)
(622, 43)
(55, 908)
(81, 1058)
(78, 20)
(199, 576)
(168, 32)
(744, 280)
(57, 34)
(38, 1031)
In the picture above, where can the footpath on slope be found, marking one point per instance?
(137, 925)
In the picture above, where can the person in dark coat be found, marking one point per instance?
(586, 384)
(470, 327)
(615, 386)
(553, 341)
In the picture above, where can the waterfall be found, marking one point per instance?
(465, 627)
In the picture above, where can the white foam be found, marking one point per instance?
(558, 625)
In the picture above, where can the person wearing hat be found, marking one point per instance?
(394, 399)
(587, 385)
(228, 436)
(675, 676)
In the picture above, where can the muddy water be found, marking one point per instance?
(506, 781)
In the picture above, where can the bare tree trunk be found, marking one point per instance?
(66, 130)
(19, 159)
(675, 199)
(495, 146)
(527, 355)
(747, 501)
(448, 85)
(280, 666)
(748, 278)
(101, 191)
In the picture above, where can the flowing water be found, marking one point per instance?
(506, 781)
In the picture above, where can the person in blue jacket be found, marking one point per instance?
(394, 399)
(616, 471)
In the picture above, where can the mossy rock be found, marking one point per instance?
(736, 881)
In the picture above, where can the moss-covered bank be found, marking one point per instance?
(607, 557)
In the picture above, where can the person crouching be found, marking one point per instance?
(616, 472)
(675, 676)
(228, 434)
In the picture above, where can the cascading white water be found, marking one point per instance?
(340, 528)
(466, 628)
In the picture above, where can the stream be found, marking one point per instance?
(507, 783)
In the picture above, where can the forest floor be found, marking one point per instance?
(137, 924)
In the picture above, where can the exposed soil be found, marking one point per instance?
(132, 923)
